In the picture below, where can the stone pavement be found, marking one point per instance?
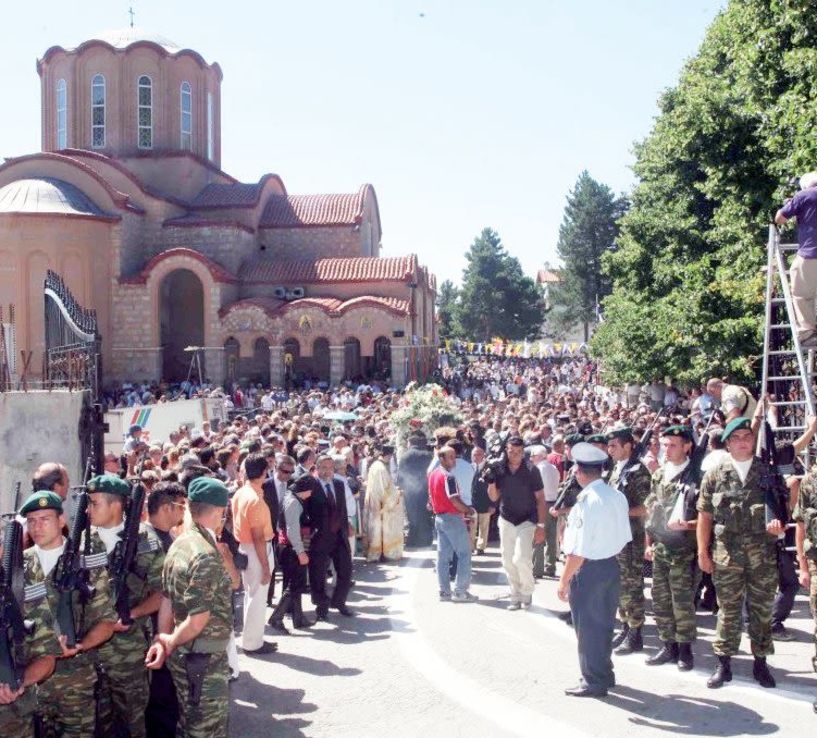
(409, 665)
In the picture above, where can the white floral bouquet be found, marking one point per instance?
(423, 408)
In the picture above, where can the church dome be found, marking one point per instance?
(46, 196)
(121, 38)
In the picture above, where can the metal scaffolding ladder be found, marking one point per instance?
(788, 368)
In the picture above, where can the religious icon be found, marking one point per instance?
(366, 322)
(304, 324)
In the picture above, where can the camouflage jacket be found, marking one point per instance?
(195, 580)
(738, 508)
(660, 503)
(635, 486)
(805, 512)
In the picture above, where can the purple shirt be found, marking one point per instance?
(803, 206)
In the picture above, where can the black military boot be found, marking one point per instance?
(619, 637)
(276, 620)
(685, 662)
(633, 642)
(667, 655)
(722, 673)
(761, 673)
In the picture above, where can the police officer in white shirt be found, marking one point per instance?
(598, 527)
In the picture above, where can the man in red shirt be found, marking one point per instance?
(452, 533)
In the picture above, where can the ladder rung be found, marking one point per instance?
(786, 428)
(788, 402)
(780, 325)
(789, 246)
(793, 378)
(783, 352)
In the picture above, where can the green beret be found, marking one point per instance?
(676, 431)
(42, 500)
(110, 484)
(574, 438)
(624, 435)
(735, 425)
(209, 490)
(597, 438)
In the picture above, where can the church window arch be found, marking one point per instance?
(186, 106)
(98, 112)
(145, 112)
(62, 114)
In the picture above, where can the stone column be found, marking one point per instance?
(276, 366)
(213, 365)
(336, 365)
(398, 365)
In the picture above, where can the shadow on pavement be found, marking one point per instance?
(682, 715)
(250, 701)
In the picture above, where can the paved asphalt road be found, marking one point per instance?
(409, 665)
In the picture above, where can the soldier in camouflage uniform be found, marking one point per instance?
(633, 480)
(66, 699)
(805, 515)
(17, 707)
(196, 616)
(732, 502)
(121, 659)
(671, 547)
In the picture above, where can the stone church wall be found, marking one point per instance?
(312, 243)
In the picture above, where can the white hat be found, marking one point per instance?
(809, 179)
(588, 455)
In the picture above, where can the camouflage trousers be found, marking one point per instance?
(746, 569)
(812, 592)
(208, 719)
(124, 686)
(674, 581)
(17, 719)
(67, 699)
(631, 568)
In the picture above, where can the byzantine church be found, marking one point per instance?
(128, 203)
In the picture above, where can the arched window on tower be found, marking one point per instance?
(62, 114)
(145, 114)
(98, 112)
(210, 142)
(187, 117)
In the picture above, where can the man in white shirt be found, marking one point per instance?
(550, 483)
(598, 527)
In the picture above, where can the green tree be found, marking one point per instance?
(588, 231)
(446, 307)
(496, 298)
(687, 274)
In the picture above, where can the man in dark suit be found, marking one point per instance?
(330, 540)
(274, 487)
(412, 478)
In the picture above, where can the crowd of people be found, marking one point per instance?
(280, 500)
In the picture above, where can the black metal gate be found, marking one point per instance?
(73, 359)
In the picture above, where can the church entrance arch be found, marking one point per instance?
(320, 359)
(181, 320)
(232, 349)
(292, 356)
(381, 364)
(351, 358)
(257, 369)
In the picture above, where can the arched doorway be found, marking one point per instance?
(258, 371)
(351, 358)
(181, 321)
(292, 353)
(321, 359)
(381, 368)
(231, 358)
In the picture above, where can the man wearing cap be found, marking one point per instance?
(123, 655)
(633, 480)
(66, 699)
(671, 546)
(196, 614)
(518, 489)
(546, 551)
(597, 529)
(732, 503)
(40, 649)
(803, 206)
(133, 440)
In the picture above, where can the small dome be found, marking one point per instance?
(45, 195)
(121, 38)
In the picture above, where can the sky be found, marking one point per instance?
(462, 113)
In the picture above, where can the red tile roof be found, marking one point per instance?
(330, 305)
(271, 270)
(235, 195)
(297, 211)
(547, 275)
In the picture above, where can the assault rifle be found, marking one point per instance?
(13, 627)
(124, 554)
(640, 449)
(774, 486)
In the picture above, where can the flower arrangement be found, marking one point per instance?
(423, 408)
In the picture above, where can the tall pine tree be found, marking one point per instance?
(588, 231)
(496, 298)
(446, 306)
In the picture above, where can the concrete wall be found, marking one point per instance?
(36, 427)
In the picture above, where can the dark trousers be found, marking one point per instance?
(787, 586)
(594, 593)
(341, 557)
(162, 712)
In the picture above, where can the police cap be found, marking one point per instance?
(588, 455)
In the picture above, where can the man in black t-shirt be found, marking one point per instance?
(522, 512)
